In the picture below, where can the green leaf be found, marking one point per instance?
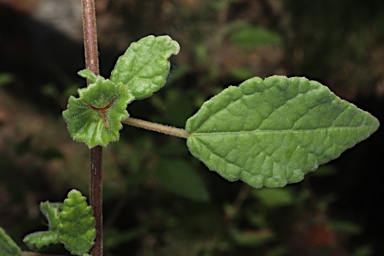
(7, 246)
(144, 67)
(95, 117)
(88, 74)
(271, 132)
(51, 211)
(178, 177)
(77, 224)
(44, 238)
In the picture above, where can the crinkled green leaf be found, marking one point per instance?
(44, 238)
(77, 224)
(271, 132)
(95, 117)
(7, 246)
(144, 67)
(51, 211)
(181, 179)
(41, 238)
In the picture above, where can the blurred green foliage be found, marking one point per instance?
(6, 78)
(147, 209)
(182, 179)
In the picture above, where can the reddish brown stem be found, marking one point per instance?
(96, 201)
(90, 36)
(96, 183)
(102, 111)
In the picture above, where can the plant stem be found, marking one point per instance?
(90, 36)
(156, 127)
(96, 182)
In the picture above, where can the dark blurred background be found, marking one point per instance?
(158, 199)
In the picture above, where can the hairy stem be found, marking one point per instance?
(96, 182)
(156, 127)
(96, 197)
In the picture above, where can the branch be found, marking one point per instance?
(169, 130)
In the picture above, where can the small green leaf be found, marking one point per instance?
(51, 211)
(7, 246)
(42, 238)
(144, 67)
(88, 74)
(95, 117)
(271, 132)
(181, 179)
(77, 224)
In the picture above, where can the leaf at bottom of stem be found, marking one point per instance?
(77, 224)
(41, 238)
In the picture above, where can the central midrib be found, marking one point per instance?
(261, 132)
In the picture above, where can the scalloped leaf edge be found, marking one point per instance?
(76, 204)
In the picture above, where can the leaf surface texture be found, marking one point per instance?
(272, 132)
(144, 67)
(77, 224)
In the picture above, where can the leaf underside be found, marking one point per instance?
(272, 132)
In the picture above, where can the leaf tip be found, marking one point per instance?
(88, 74)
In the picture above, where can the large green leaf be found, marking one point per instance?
(271, 132)
(144, 67)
